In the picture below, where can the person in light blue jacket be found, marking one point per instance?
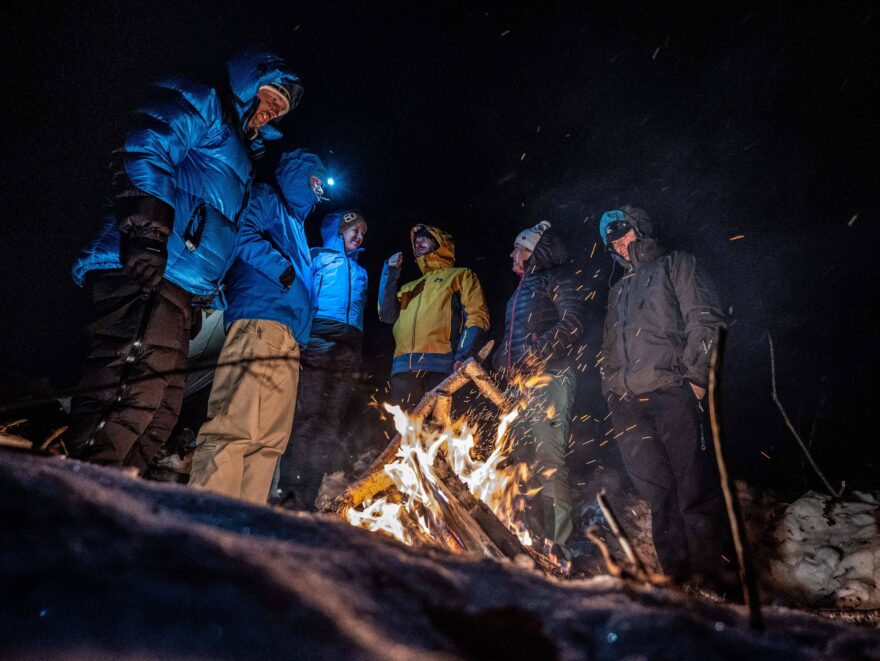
(331, 359)
(270, 308)
(179, 184)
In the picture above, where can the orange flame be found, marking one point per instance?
(419, 514)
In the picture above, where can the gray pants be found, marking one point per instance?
(540, 436)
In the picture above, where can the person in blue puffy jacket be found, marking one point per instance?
(179, 183)
(329, 362)
(270, 309)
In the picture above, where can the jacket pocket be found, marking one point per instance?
(192, 233)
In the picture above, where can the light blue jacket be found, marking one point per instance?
(340, 283)
(185, 153)
(273, 238)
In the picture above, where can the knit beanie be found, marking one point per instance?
(350, 218)
(529, 238)
(289, 92)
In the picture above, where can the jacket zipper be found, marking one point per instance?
(348, 301)
(623, 333)
(512, 319)
(645, 291)
(415, 316)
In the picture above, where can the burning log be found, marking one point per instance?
(375, 480)
(504, 541)
(485, 384)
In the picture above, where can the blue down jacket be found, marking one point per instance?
(340, 282)
(188, 151)
(273, 238)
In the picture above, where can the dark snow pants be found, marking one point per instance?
(316, 447)
(540, 434)
(406, 389)
(671, 462)
(143, 339)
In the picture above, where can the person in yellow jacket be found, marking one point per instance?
(439, 319)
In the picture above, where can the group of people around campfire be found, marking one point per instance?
(187, 228)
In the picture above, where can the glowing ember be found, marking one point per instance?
(415, 513)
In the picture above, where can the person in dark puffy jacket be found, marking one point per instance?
(543, 323)
(331, 359)
(179, 183)
(270, 311)
(659, 332)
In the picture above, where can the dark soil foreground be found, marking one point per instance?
(95, 564)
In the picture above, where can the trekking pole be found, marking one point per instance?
(734, 512)
(130, 360)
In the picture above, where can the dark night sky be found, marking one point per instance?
(719, 118)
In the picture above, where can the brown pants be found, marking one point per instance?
(250, 411)
(117, 425)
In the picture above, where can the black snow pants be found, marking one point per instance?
(406, 389)
(670, 460)
(143, 338)
(316, 447)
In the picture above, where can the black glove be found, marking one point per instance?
(143, 260)
(287, 278)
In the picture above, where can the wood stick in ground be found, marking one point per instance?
(797, 437)
(619, 534)
(613, 568)
(734, 511)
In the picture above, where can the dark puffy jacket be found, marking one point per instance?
(661, 322)
(545, 315)
(187, 155)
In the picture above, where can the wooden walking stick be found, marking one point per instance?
(734, 512)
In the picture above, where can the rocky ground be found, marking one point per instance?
(96, 564)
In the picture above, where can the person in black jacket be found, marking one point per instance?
(543, 323)
(662, 319)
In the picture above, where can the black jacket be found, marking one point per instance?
(545, 315)
(661, 322)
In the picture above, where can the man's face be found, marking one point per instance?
(621, 245)
(422, 245)
(271, 106)
(317, 186)
(353, 236)
(520, 256)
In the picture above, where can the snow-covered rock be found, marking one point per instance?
(829, 551)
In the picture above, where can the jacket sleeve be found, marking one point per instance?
(254, 246)
(389, 305)
(701, 311)
(560, 340)
(476, 322)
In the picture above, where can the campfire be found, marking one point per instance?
(428, 488)
(419, 510)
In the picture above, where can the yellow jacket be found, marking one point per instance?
(438, 318)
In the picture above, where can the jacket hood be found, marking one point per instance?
(249, 69)
(636, 217)
(549, 252)
(330, 233)
(441, 258)
(292, 175)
